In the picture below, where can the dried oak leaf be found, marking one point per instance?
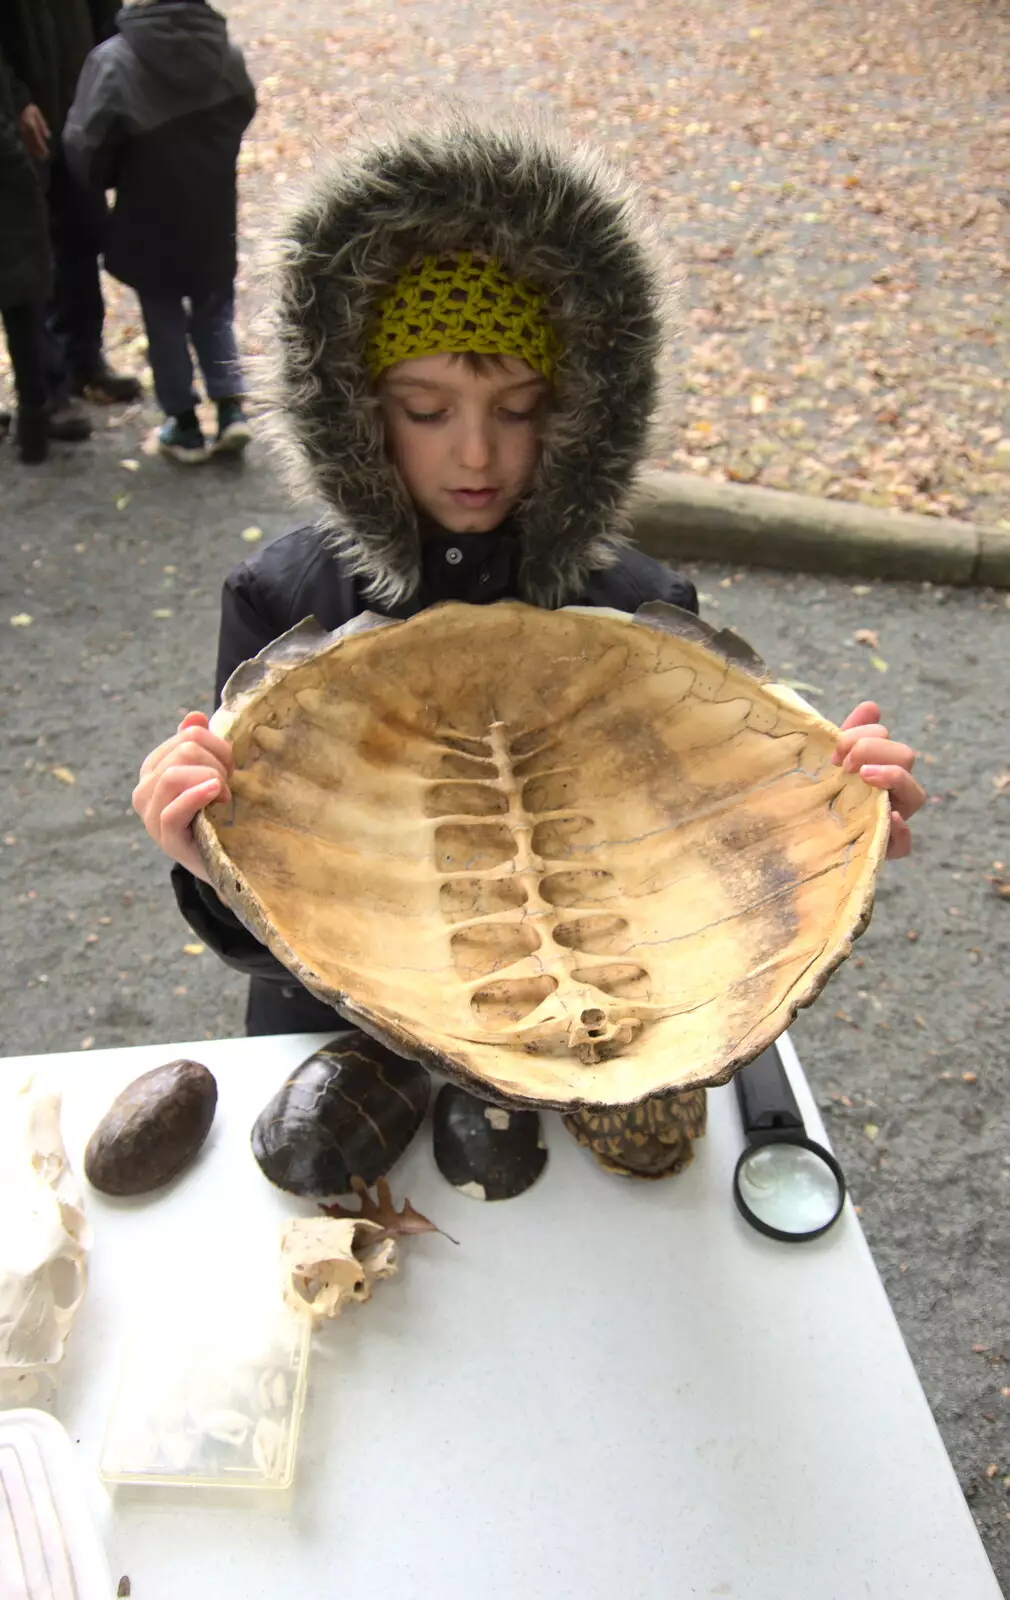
(383, 1211)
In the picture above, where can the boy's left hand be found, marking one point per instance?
(864, 747)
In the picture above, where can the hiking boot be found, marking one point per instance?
(68, 421)
(233, 431)
(105, 387)
(31, 432)
(183, 440)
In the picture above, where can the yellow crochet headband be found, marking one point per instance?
(457, 303)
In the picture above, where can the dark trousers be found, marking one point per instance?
(208, 324)
(76, 310)
(288, 1008)
(25, 329)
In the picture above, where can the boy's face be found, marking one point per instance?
(465, 443)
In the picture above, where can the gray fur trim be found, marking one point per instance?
(558, 217)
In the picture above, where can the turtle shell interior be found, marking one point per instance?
(572, 858)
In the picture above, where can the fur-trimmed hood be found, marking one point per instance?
(557, 217)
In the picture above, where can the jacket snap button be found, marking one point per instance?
(454, 556)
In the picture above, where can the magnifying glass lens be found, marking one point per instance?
(789, 1188)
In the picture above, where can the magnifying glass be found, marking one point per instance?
(785, 1184)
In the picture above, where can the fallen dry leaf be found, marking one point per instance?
(22, 620)
(867, 636)
(880, 665)
(383, 1211)
(251, 535)
(64, 774)
(192, 949)
(1001, 783)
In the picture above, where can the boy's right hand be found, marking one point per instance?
(177, 780)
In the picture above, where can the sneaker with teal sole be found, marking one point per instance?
(233, 431)
(182, 441)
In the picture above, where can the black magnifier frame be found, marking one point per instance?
(770, 1116)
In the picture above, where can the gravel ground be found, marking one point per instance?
(895, 393)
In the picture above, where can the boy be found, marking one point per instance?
(469, 331)
(159, 115)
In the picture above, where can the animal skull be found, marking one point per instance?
(328, 1261)
(44, 1240)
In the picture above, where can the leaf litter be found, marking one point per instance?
(831, 186)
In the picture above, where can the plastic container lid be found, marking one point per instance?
(49, 1548)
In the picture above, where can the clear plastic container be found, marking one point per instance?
(49, 1548)
(215, 1406)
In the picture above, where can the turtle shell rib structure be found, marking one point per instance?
(570, 858)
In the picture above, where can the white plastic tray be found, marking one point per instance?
(49, 1549)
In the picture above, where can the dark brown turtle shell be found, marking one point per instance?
(487, 1152)
(650, 1140)
(350, 1110)
(152, 1130)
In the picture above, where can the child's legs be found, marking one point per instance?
(212, 330)
(168, 352)
(25, 329)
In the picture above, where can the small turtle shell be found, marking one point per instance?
(350, 1110)
(649, 1140)
(153, 1130)
(485, 1151)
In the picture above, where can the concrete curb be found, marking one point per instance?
(678, 517)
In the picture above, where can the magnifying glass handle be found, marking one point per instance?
(767, 1102)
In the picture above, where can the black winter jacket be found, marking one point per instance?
(298, 577)
(46, 43)
(159, 116)
(25, 265)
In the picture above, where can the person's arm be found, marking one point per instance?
(14, 47)
(95, 131)
(246, 628)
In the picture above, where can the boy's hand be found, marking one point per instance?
(34, 132)
(864, 747)
(176, 781)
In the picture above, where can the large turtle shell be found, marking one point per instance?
(571, 858)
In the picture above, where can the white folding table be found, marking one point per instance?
(610, 1388)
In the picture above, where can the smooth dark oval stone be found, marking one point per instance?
(484, 1151)
(152, 1130)
(349, 1111)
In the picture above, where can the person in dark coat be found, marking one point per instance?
(159, 116)
(46, 43)
(469, 335)
(25, 274)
